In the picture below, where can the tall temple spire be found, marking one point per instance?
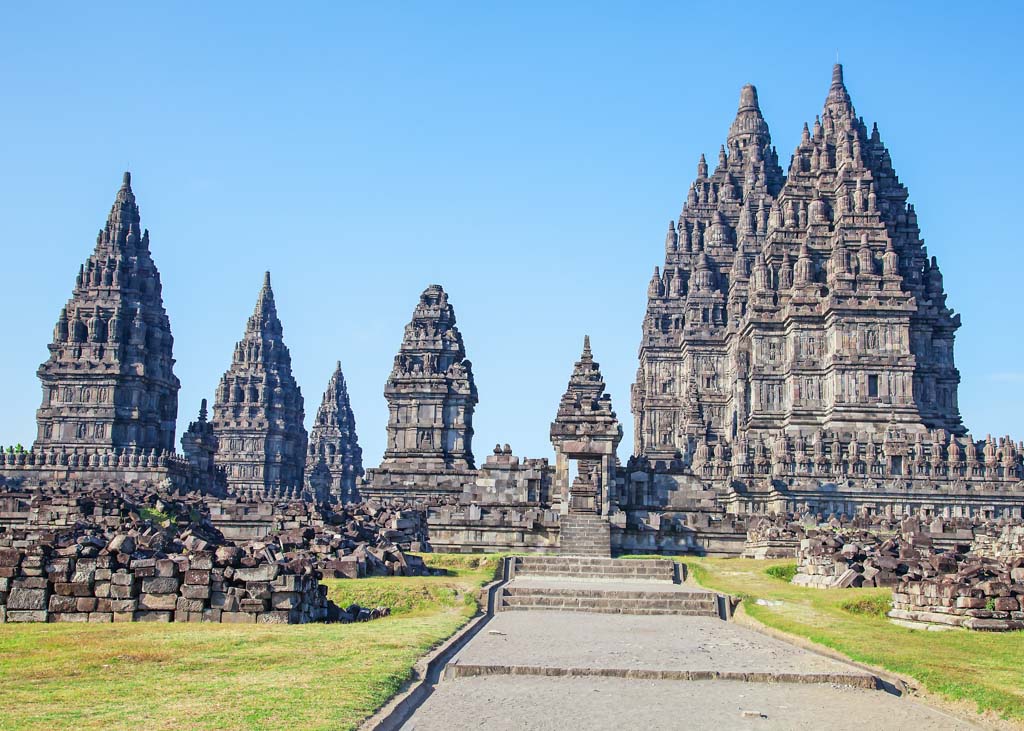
(838, 99)
(333, 445)
(431, 396)
(264, 315)
(109, 382)
(258, 412)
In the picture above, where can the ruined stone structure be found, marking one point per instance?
(431, 396)
(109, 382)
(257, 416)
(334, 462)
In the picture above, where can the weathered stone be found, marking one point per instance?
(191, 591)
(160, 585)
(264, 572)
(238, 618)
(157, 601)
(146, 616)
(27, 599)
(17, 615)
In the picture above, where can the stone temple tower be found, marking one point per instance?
(109, 382)
(795, 305)
(334, 456)
(431, 395)
(258, 412)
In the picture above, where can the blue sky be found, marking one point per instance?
(526, 158)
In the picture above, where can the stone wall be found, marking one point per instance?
(42, 584)
(472, 529)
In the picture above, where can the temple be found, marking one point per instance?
(796, 357)
(431, 396)
(334, 462)
(110, 396)
(109, 382)
(258, 412)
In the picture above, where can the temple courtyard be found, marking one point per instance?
(527, 667)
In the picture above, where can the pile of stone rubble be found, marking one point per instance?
(984, 591)
(142, 554)
(838, 560)
(90, 582)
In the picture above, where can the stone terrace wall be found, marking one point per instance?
(42, 584)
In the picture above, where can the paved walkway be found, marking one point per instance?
(566, 670)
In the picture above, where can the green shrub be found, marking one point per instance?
(785, 571)
(877, 606)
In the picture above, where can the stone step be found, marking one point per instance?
(590, 592)
(595, 567)
(691, 604)
(584, 535)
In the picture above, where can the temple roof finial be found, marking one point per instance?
(837, 76)
(838, 100)
(586, 347)
(748, 99)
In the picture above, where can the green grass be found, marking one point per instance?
(981, 669)
(206, 676)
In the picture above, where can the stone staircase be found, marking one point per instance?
(605, 586)
(584, 535)
(588, 568)
(602, 600)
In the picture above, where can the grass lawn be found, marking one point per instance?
(206, 676)
(976, 667)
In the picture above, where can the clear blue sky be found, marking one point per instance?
(527, 159)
